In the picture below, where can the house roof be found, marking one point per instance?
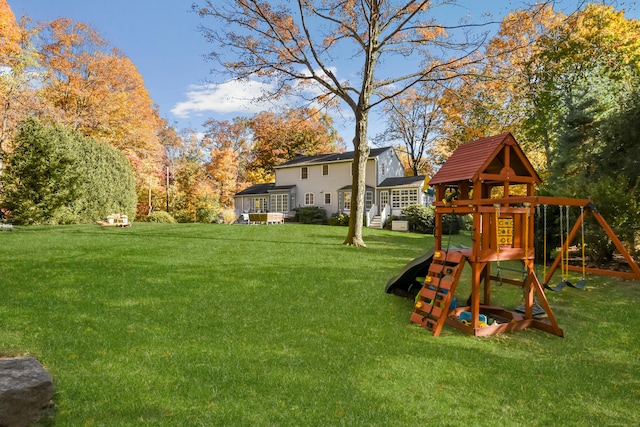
(402, 181)
(349, 187)
(327, 158)
(256, 189)
(484, 155)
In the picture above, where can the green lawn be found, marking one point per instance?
(215, 325)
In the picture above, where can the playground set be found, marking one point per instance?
(492, 179)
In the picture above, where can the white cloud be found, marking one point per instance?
(228, 97)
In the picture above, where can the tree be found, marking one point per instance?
(108, 182)
(96, 90)
(16, 94)
(195, 198)
(538, 65)
(39, 180)
(279, 137)
(511, 90)
(229, 156)
(57, 176)
(415, 119)
(295, 48)
(10, 34)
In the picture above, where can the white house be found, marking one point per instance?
(325, 181)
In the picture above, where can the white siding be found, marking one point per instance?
(389, 166)
(317, 183)
(386, 165)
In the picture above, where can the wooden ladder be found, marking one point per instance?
(433, 300)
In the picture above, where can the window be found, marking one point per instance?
(280, 202)
(368, 200)
(327, 198)
(304, 172)
(325, 170)
(347, 200)
(384, 198)
(308, 199)
(259, 204)
(404, 197)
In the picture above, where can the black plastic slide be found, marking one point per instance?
(405, 283)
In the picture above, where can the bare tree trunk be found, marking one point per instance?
(360, 156)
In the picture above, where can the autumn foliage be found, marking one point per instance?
(64, 72)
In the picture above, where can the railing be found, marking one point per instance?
(385, 213)
(370, 214)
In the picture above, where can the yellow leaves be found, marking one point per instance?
(10, 32)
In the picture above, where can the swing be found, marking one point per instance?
(564, 282)
(564, 255)
(583, 280)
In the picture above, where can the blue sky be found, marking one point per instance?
(162, 40)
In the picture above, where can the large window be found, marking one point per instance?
(304, 172)
(404, 197)
(309, 199)
(280, 202)
(259, 204)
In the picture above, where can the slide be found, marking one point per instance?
(405, 283)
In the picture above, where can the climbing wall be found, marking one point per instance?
(434, 299)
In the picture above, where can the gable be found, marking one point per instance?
(495, 157)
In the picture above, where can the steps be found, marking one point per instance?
(375, 222)
(434, 299)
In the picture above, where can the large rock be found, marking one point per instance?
(25, 391)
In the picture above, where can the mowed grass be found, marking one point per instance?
(214, 325)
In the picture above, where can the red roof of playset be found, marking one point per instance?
(484, 155)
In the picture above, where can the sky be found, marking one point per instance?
(161, 37)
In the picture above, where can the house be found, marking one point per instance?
(325, 181)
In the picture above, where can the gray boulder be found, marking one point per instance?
(26, 389)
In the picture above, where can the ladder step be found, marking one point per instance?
(424, 321)
(425, 309)
(432, 305)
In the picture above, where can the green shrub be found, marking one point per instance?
(161, 216)
(183, 216)
(207, 215)
(339, 219)
(452, 224)
(467, 222)
(312, 215)
(40, 178)
(421, 218)
(388, 221)
(57, 176)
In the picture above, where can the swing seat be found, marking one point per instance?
(580, 284)
(560, 286)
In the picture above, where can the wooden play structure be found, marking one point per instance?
(492, 179)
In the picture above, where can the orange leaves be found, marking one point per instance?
(432, 32)
(280, 137)
(10, 34)
(98, 91)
